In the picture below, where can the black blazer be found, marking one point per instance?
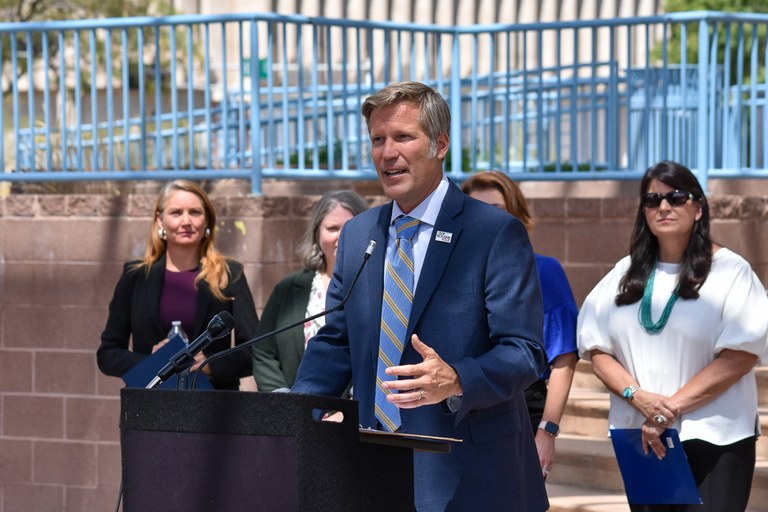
(134, 312)
(276, 359)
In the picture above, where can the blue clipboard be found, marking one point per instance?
(143, 373)
(648, 480)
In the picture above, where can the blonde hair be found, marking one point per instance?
(213, 265)
(514, 200)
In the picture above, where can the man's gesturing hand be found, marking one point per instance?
(433, 380)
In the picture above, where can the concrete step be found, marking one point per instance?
(761, 374)
(568, 498)
(589, 465)
(585, 379)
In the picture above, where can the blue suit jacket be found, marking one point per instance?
(478, 304)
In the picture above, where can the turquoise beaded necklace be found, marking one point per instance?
(644, 313)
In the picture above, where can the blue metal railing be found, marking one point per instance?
(267, 95)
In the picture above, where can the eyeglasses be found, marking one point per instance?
(675, 198)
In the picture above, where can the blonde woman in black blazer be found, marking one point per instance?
(181, 277)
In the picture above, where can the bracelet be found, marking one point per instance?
(629, 392)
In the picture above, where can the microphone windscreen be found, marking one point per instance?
(221, 324)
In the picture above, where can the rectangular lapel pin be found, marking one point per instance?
(442, 236)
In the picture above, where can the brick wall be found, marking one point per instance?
(62, 254)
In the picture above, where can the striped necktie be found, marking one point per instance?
(395, 310)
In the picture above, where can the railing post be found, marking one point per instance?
(702, 136)
(255, 112)
(455, 104)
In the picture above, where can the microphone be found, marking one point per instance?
(219, 326)
(368, 251)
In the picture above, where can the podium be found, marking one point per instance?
(240, 451)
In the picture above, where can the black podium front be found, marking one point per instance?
(236, 451)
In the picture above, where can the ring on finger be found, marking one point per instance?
(660, 419)
(421, 393)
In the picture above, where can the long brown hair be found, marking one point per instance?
(644, 246)
(213, 265)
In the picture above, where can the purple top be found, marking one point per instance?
(179, 300)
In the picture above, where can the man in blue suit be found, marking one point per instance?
(473, 341)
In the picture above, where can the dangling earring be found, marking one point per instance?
(207, 233)
(161, 233)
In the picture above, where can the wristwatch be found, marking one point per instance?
(629, 393)
(550, 428)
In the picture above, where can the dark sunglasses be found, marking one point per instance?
(674, 198)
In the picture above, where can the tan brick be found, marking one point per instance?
(30, 416)
(241, 239)
(53, 205)
(109, 460)
(15, 461)
(34, 497)
(619, 207)
(577, 207)
(107, 386)
(111, 239)
(142, 206)
(57, 283)
(91, 499)
(253, 207)
(84, 205)
(279, 240)
(547, 208)
(17, 371)
(21, 206)
(65, 463)
(92, 419)
(549, 239)
(35, 327)
(584, 278)
(598, 241)
(747, 238)
(65, 372)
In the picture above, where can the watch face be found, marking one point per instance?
(552, 428)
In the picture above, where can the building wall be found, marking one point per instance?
(61, 256)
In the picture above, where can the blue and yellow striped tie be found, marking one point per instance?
(395, 310)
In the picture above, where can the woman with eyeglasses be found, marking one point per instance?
(674, 332)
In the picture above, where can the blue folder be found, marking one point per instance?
(143, 373)
(648, 480)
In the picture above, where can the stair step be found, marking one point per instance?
(568, 498)
(584, 378)
(589, 464)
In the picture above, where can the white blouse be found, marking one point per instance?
(730, 313)
(315, 305)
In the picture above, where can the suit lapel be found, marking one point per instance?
(438, 253)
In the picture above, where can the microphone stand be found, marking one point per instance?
(224, 353)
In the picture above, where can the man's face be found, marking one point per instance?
(400, 152)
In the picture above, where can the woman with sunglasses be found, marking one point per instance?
(674, 332)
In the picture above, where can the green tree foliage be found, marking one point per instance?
(728, 35)
(48, 10)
